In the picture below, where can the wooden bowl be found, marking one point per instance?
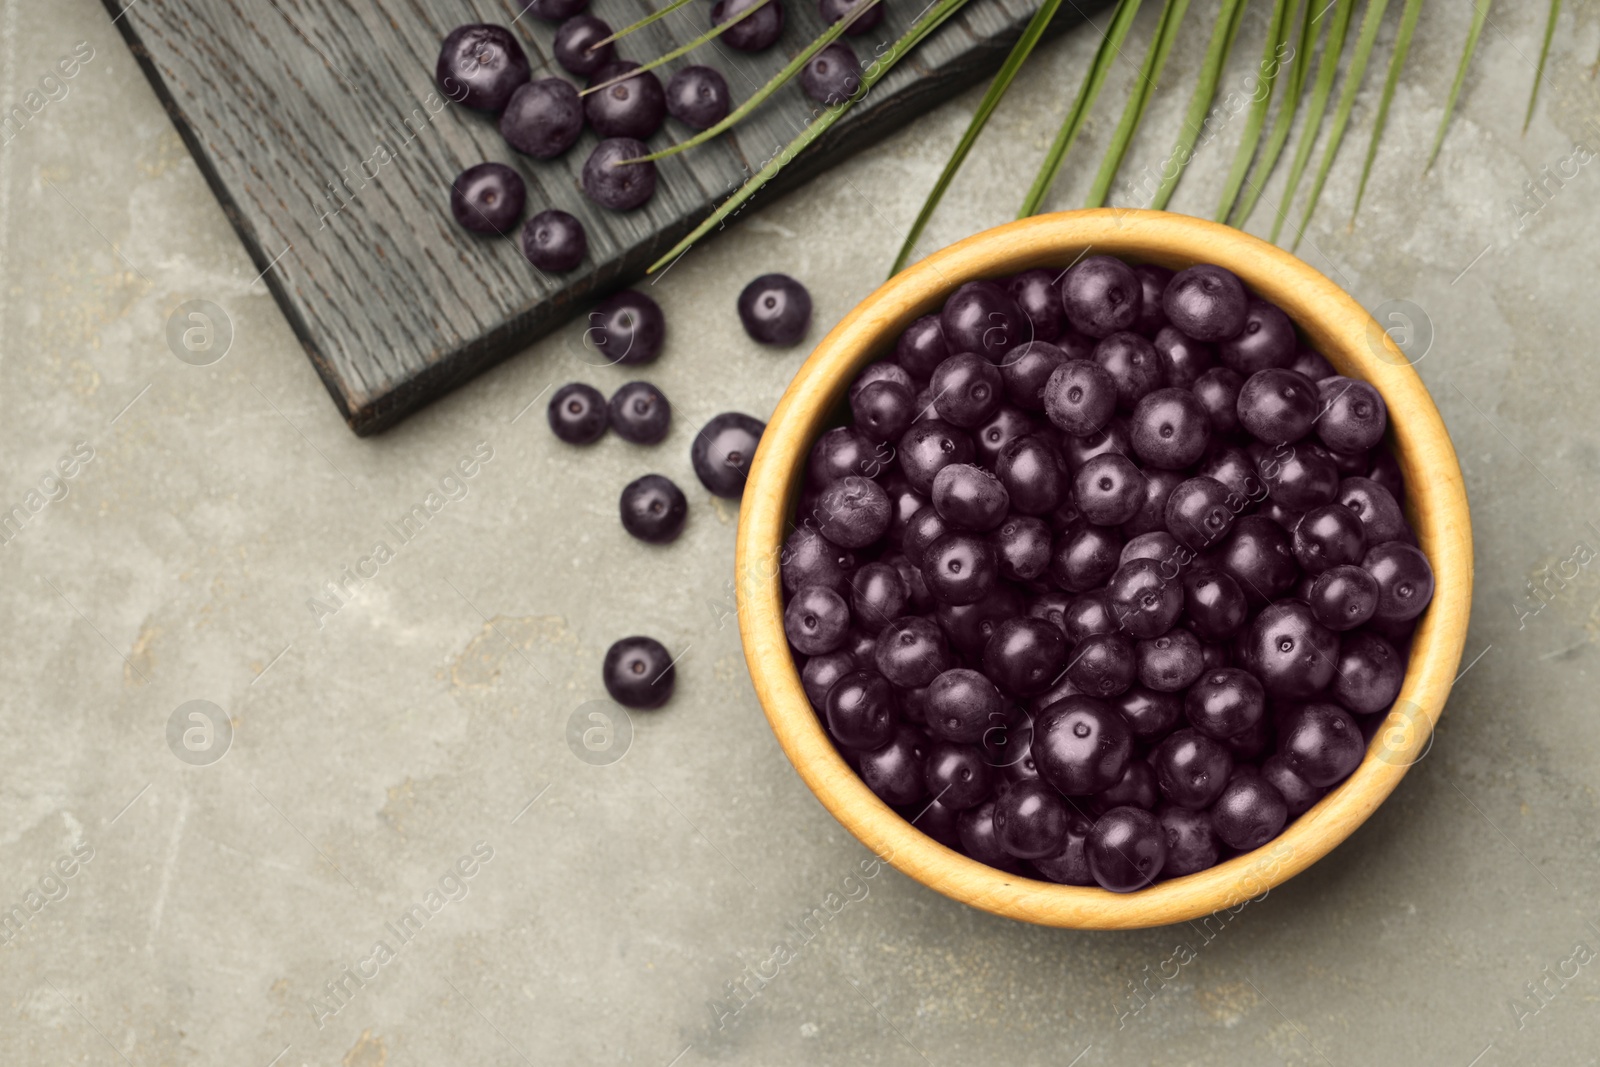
(1337, 327)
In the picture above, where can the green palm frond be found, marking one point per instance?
(1271, 52)
(1155, 60)
(1544, 53)
(980, 118)
(1480, 15)
(1402, 45)
(654, 16)
(1327, 67)
(705, 38)
(1205, 90)
(1282, 123)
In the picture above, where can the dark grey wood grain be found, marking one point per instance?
(318, 126)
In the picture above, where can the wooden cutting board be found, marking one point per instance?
(319, 128)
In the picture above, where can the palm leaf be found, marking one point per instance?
(933, 16)
(1327, 67)
(1205, 90)
(759, 97)
(1480, 15)
(654, 16)
(1093, 79)
(1402, 45)
(710, 35)
(1544, 53)
(1277, 35)
(1155, 60)
(991, 100)
(1283, 122)
(1371, 21)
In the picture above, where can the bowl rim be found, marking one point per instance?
(1338, 327)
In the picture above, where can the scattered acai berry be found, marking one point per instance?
(653, 509)
(577, 414)
(611, 180)
(638, 673)
(554, 240)
(554, 10)
(575, 44)
(775, 309)
(543, 118)
(481, 65)
(756, 31)
(833, 75)
(633, 107)
(722, 452)
(627, 328)
(640, 413)
(488, 198)
(699, 97)
(1108, 565)
(834, 10)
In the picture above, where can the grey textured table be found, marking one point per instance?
(229, 913)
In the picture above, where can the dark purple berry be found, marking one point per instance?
(1182, 357)
(611, 181)
(816, 620)
(853, 512)
(1351, 415)
(543, 118)
(1169, 663)
(895, 771)
(1225, 702)
(1109, 489)
(554, 10)
(1343, 598)
(1298, 476)
(1191, 768)
(1191, 842)
(922, 347)
(575, 44)
(753, 33)
(1328, 536)
(1322, 744)
(1312, 364)
(1144, 601)
(1127, 849)
(1030, 819)
(820, 672)
(1103, 665)
(640, 413)
(808, 558)
(1218, 390)
(1085, 558)
(978, 840)
(1081, 746)
(628, 328)
(1200, 512)
(859, 711)
(1133, 364)
(624, 104)
(834, 10)
(1215, 605)
(967, 389)
(1267, 340)
(957, 775)
(775, 310)
(722, 452)
(927, 448)
(638, 672)
(554, 240)
(1404, 577)
(1026, 369)
(1298, 794)
(962, 704)
(1036, 293)
(969, 498)
(960, 568)
(1007, 424)
(1153, 282)
(833, 75)
(1135, 789)
(1070, 864)
(480, 66)
(878, 596)
(1206, 302)
(1151, 517)
(698, 97)
(1376, 507)
(1278, 406)
(1024, 656)
(1250, 812)
(653, 509)
(911, 652)
(1258, 557)
(883, 410)
(1292, 653)
(1101, 296)
(488, 198)
(577, 414)
(1370, 673)
(1080, 397)
(1170, 429)
(981, 317)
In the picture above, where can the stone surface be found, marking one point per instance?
(375, 747)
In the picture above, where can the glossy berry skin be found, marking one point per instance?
(1218, 391)
(1006, 425)
(1109, 489)
(754, 33)
(543, 118)
(833, 75)
(882, 411)
(1328, 536)
(1170, 429)
(1079, 450)
(577, 414)
(853, 512)
(638, 672)
(1080, 397)
(839, 453)
(816, 620)
(962, 704)
(1022, 547)
(820, 672)
(698, 97)
(967, 389)
(1250, 812)
(1081, 746)
(1030, 469)
(922, 530)
(1298, 476)
(1151, 518)
(1370, 673)
(958, 775)
(1070, 864)
(1225, 703)
(628, 327)
(1127, 849)
(1191, 768)
(480, 66)
(1036, 293)
(1258, 557)
(1101, 296)
(1026, 369)
(981, 317)
(1157, 545)
(1149, 714)
(1191, 842)
(834, 10)
(1235, 469)
(722, 452)
(859, 711)
(1376, 507)
(1267, 340)
(1298, 794)
(1133, 364)
(1213, 602)
(1343, 598)
(1135, 789)
(1352, 416)
(882, 371)
(1405, 580)
(488, 198)
(969, 497)
(1143, 600)
(1153, 282)
(639, 413)
(1206, 302)
(1085, 558)
(775, 309)
(911, 652)
(1277, 406)
(1183, 359)
(978, 839)
(922, 347)
(575, 49)
(634, 107)
(878, 596)
(1024, 656)
(969, 626)
(808, 558)
(554, 10)
(1169, 663)
(653, 509)
(1030, 819)
(1292, 653)
(613, 182)
(1200, 512)
(1089, 613)
(1322, 744)
(554, 240)
(960, 568)
(1103, 665)
(895, 771)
